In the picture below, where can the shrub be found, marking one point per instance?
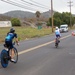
(15, 22)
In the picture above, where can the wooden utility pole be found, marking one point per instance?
(52, 15)
(70, 4)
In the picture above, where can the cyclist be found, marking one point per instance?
(57, 33)
(9, 41)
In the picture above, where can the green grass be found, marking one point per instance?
(25, 32)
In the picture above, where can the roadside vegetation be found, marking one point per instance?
(25, 32)
(29, 32)
(62, 18)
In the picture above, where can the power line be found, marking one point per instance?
(18, 5)
(39, 4)
(34, 4)
(28, 4)
(22, 5)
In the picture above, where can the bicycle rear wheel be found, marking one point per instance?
(4, 58)
(15, 56)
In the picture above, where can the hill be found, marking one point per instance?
(3, 17)
(25, 14)
(19, 14)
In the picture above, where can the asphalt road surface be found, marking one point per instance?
(40, 57)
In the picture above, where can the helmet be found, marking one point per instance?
(57, 28)
(12, 30)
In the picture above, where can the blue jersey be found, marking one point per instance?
(10, 36)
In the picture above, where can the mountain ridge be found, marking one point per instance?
(25, 14)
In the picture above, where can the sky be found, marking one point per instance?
(58, 5)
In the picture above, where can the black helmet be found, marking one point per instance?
(12, 30)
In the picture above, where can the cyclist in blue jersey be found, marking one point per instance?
(57, 33)
(9, 41)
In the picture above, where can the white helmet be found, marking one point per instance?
(57, 28)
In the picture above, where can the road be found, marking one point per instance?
(39, 56)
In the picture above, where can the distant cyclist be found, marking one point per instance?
(9, 41)
(57, 33)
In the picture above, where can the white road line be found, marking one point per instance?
(36, 47)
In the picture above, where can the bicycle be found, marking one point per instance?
(57, 42)
(5, 56)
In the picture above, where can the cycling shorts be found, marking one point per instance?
(57, 36)
(9, 44)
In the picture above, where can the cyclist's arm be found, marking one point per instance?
(16, 39)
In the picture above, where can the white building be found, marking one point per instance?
(5, 24)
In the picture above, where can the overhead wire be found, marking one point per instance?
(34, 4)
(39, 4)
(18, 5)
(23, 5)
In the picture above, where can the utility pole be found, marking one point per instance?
(70, 4)
(52, 15)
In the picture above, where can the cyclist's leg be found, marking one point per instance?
(10, 46)
(59, 38)
(56, 39)
(12, 53)
(11, 50)
(6, 45)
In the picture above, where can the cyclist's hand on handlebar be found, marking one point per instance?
(18, 44)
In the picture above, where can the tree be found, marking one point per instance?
(38, 21)
(61, 18)
(57, 22)
(57, 19)
(15, 22)
(37, 15)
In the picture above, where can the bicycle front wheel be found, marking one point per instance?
(4, 58)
